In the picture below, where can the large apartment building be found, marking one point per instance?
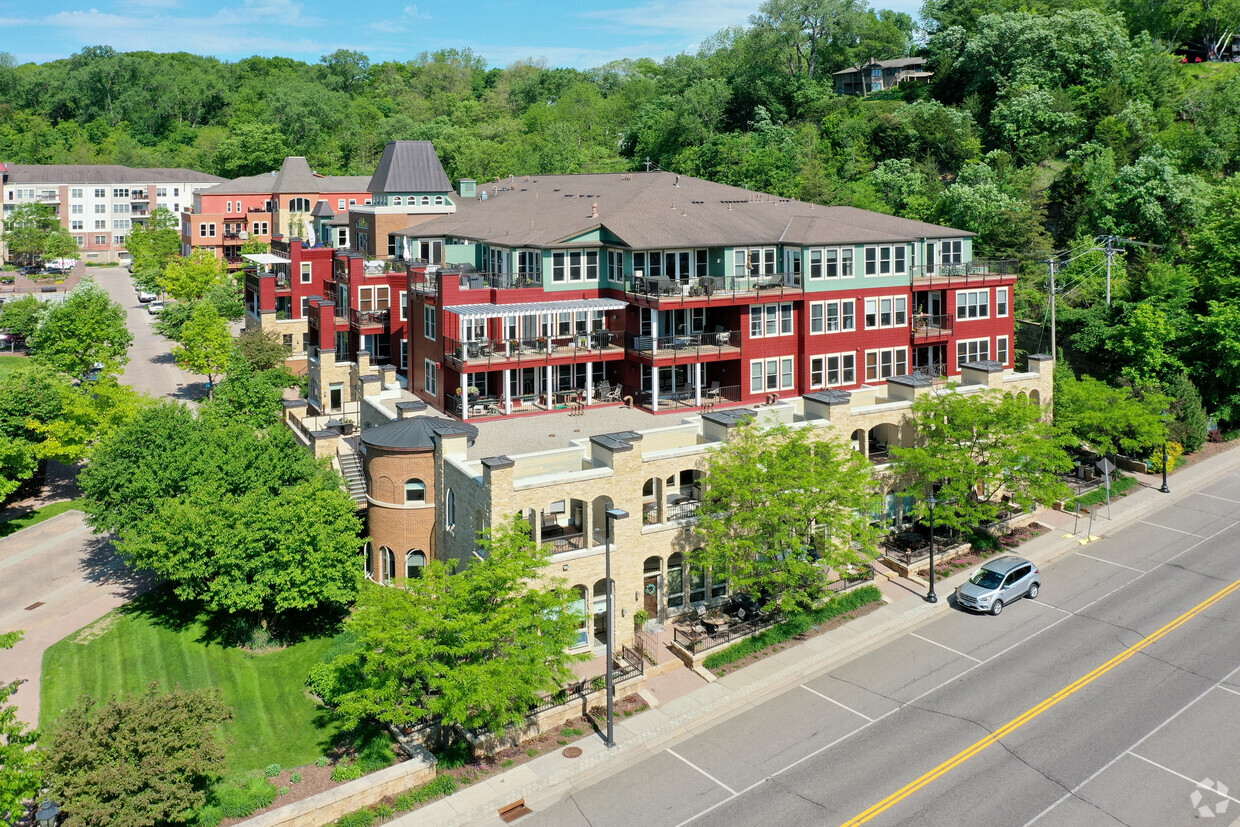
(288, 202)
(99, 204)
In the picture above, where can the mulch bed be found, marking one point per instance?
(814, 631)
(1007, 543)
(551, 741)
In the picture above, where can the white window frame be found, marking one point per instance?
(755, 261)
(429, 322)
(817, 318)
(306, 272)
(972, 304)
(885, 363)
(430, 377)
(1002, 354)
(888, 312)
(833, 370)
(404, 304)
(777, 373)
(951, 251)
(771, 320)
(1001, 302)
(972, 350)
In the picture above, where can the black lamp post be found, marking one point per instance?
(47, 814)
(931, 597)
(610, 515)
(1164, 488)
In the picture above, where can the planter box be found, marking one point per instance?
(906, 571)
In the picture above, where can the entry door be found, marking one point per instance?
(650, 595)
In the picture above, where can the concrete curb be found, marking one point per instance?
(552, 778)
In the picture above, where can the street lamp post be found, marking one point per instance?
(1164, 488)
(611, 515)
(931, 597)
(47, 814)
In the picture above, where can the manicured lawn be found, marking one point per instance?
(275, 720)
(37, 516)
(8, 363)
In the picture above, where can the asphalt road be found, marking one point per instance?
(151, 368)
(1111, 699)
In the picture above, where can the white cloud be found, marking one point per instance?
(149, 4)
(697, 17)
(414, 13)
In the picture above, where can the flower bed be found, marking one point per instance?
(978, 552)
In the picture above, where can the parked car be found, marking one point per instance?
(96, 370)
(999, 582)
(29, 270)
(155, 306)
(145, 296)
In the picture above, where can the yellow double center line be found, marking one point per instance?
(1019, 721)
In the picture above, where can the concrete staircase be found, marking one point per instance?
(351, 468)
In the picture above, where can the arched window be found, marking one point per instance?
(414, 561)
(426, 201)
(299, 205)
(395, 200)
(415, 491)
(388, 560)
(368, 556)
(438, 200)
(449, 511)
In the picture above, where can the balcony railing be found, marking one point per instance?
(368, 318)
(682, 511)
(714, 287)
(480, 353)
(691, 345)
(926, 326)
(931, 370)
(138, 195)
(970, 271)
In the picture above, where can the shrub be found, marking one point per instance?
(284, 790)
(384, 811)
(209, 816)
(599, 682)
(347, 772)
(322, 761)
(571, 732)
(239, 799)
(1174, 451)
(295, 778)
(358, 818)
(795, 625)
(273, 770)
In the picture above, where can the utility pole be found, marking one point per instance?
(647, 163)
(1110, 251)
(1051, 262)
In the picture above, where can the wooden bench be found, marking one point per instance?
(511, 812)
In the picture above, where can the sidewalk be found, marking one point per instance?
(553, 777)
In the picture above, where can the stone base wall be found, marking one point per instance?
(331, 804)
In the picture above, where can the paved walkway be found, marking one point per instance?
(55, 578)
(553, 777)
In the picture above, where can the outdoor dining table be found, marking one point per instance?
(715, 623)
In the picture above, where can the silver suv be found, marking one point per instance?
(999, 582)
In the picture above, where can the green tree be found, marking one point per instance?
(1189, 420)
(22, 316)
(87, 415)
(206, 344)
(813, 35)
(21, 766)
(85, 329)
(262, 349)
(1215, 353)
(1143, 339)
(259, 554)
(1105, 419)
(139, 760)
(189, 278)
(250, 149)
(18, 462)
(778, 506)
(478, 648)
(34, 232)
(153, 244)
(978, 447)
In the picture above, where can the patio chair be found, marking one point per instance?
(714, 392)
(613, 395)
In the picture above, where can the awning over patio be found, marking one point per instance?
(498, 311)
(266, 259)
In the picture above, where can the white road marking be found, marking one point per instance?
(703, 772)
(837, 703)
(1169, 528)
(1229, 689)
(1111, 562)
(1193, 781)
(941, 646)
(1216, 497)
(1128, 751)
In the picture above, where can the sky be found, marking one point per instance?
(566, 33)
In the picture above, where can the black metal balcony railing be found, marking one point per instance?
(366, 318)
(927, 326)
(686, 344)
(970, 271)
(931, 370)
(682, 511)
(481, 353)
(566, 542)
(709, 287)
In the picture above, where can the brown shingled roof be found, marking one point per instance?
(295, 176)
(659, 210)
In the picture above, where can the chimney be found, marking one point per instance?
(594, 210)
